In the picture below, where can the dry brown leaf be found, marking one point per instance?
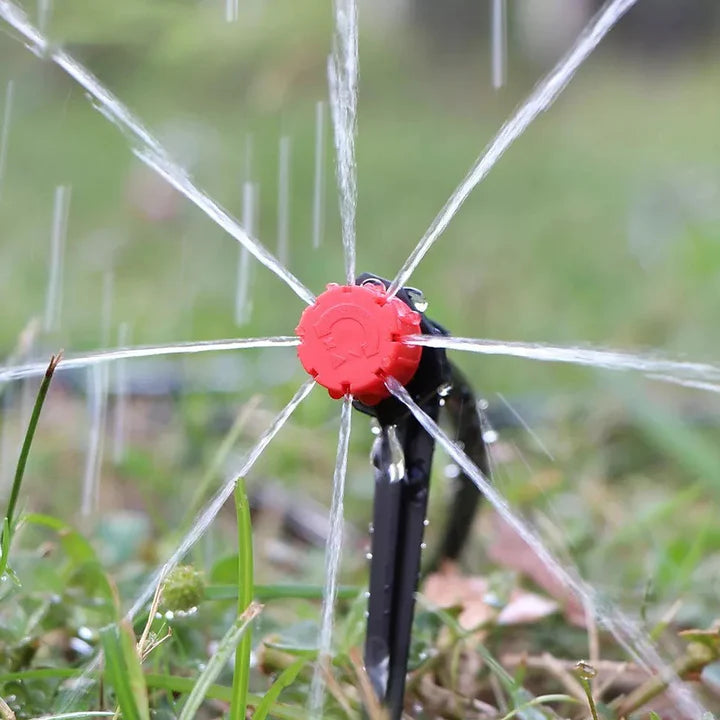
(509, 550)
(449, 589)
(526, 608)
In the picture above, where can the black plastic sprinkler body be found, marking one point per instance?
(351, 342)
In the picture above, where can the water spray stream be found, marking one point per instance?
(58, 236)
(5, 128)
(18, 372)
(343, 85)
(231, 10)
(144, 145)
(318, 209)
(97, 407)
(627, 632)
(120, 404)
(283, 203)
(243, 288)
(541, 98)
(106, 308)
(333, 553)
(694, 384)
(498, 42)
(658, 368)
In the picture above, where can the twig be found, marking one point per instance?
(29, 434)
(620, 670)
(696, 657)
(498, 693)
(370, 701)
(426, 666)
(336, 690)
(443, 702)
(6, 711)
(561, 673)
(593, 637)
(151, 616)
(604, 667)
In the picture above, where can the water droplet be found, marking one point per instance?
(423, 546)
(483, 404)
(452, 471)
(169, 615)
(445, 389)
(367, 614)
(368, 556)
(426, 522)
(367, 594)
(85, 633)
(490, 436)
(442, 402)
(585, 670)
(371, 528)
(375, 428)
(186, 613)
(418, 300)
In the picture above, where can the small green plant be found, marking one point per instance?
(183, 589)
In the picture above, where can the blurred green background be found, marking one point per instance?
(601, 225)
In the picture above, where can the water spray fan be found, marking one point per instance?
(353, 343)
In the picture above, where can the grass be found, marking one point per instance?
(598, 226)
(246, 585)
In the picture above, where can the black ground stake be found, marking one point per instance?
(402, 459)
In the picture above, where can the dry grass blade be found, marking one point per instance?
(143, 650)
(369, 699)
(6, 711)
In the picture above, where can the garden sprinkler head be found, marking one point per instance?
(351, 340)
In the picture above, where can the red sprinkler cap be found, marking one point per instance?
(350, 341)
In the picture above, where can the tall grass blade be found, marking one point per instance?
(124, 672)
(27, 442)
(241, 676)
(286, 677)
(217, 661)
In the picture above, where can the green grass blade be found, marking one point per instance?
(280, 592)
(539, 700)
(159, 681)
(27, 442)
(77, 715)
(217, 661)
(4, 545)
(286, 677)
(124, 672)
(175, 683)
(245, 589)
